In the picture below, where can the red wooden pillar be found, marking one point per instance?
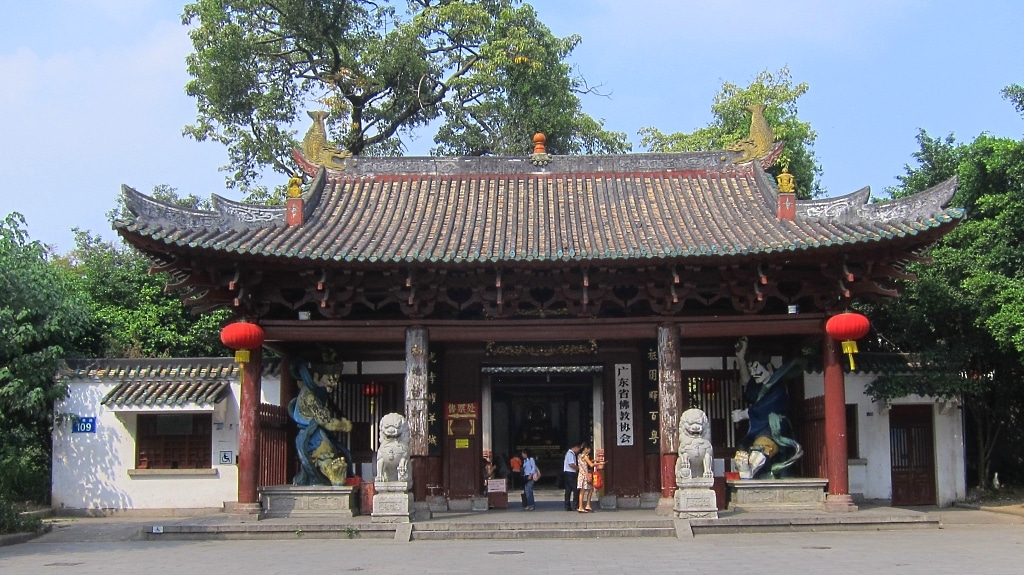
(669, 399)
(836, 457)
(249, 428)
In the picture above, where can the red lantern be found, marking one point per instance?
(242, 336)
(373, 389)
(847, 327)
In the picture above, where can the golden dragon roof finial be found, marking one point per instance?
(759, 142)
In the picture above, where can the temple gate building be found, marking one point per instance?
(510, 302)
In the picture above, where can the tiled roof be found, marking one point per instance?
(166, 393)
(169, 369)
(598, 209)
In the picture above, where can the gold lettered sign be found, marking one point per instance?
(461, 418)
(462, 443)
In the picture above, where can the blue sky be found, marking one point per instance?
(92, 91)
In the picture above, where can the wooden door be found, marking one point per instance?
(912, 455)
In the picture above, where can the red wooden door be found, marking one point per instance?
(912, 454)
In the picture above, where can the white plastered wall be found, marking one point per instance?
(91, 470)
(870, 474)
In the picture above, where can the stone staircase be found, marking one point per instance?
(444, 530)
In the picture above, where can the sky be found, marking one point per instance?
(92, 91)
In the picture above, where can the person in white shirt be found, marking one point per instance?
(569, 475)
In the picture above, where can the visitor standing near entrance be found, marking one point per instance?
(569, 475)
(585, 470)
(516, 463)
(529, 469)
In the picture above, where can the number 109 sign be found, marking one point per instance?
(84, 425)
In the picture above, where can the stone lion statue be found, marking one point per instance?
(393, 452)
(695, 451)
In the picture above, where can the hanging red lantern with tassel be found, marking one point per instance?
(848, 327)
(242, 336)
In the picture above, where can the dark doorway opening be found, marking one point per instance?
(544, 413)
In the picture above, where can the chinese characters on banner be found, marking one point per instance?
(623, 404)
(652, 425)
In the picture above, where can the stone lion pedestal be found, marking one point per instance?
(695, 499)
(695, 494)
(392, 502)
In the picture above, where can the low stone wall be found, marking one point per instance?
(792, 494)
(308, 501)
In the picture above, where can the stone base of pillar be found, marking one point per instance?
(665, 507)
(839, 503)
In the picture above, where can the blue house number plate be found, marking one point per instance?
(84, 425)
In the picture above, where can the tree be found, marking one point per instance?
(937, 161)
(41, 313)
(731, 124)
(487, 70)
(965, 313)
(130, 313)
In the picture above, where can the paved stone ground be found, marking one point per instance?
(981, 540)
(970, 541)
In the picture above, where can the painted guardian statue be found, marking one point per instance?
(768, 449)
(323, 456)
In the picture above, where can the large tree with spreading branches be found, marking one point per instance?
(486, 73)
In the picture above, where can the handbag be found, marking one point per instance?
(535, 476)
(597, 482)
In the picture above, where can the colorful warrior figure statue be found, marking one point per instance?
(768, 449)
(324, 457)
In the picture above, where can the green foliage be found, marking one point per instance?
(41, 313)
(936, 161)
(1015, 94)
(965, 313)
(731, 124)
(12, 519)
(487, 71)
(25, 462)
(130, 313)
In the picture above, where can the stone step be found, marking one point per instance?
(543, 530)
(834, 522)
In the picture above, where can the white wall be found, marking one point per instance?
(91, 470)
(870, 475)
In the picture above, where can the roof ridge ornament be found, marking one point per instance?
(786, 181)
(317, 149)
(760, 141)
(540, 156)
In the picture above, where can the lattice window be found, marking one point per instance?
(174, 441)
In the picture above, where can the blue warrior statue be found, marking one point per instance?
(768, 449)
(324, 457)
